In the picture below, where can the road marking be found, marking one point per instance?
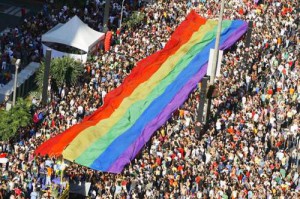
(13, 10)
(9, 9)
(19, 14)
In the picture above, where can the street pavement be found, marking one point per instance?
(10, 11)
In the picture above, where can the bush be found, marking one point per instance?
(17, 117)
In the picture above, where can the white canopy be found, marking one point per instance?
(74, 33)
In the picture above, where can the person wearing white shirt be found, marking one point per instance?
(34, 195)
(207, 157)
(280, 155)
(3, 65)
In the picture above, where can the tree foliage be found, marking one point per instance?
(63, 70)
(17, 117)
(135, 19)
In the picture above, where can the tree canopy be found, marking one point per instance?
(135, 19)
(63, 71)
(10, 121)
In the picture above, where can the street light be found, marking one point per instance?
(213, 73)
(121, 18)
(215, 60)
(106, 15)
(17, 64)
(217, 44)
(46, 76)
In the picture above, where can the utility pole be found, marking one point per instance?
(121, 18)
(17, 64)
(201, 119)
(215, 60)
(217, 44)
(203, 89)
(106, 15)
(46, 76)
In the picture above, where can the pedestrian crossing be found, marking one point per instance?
(13, 10)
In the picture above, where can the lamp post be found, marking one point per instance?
(106, 15)
(214, 61)
(17, 64)
(121, 18)
(46, 76)
(217, 44)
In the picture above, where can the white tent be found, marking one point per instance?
(74, 33)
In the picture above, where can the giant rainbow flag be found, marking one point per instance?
(112, 136)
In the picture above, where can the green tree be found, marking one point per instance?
(17, 117)
(135, 19)
(63, 70)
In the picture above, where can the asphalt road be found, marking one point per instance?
(10, 11)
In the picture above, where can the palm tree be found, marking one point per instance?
(63, 71)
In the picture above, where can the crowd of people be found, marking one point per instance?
(24, 42)
(250, 148)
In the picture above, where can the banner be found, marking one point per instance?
(111, 137)
(210, 60)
